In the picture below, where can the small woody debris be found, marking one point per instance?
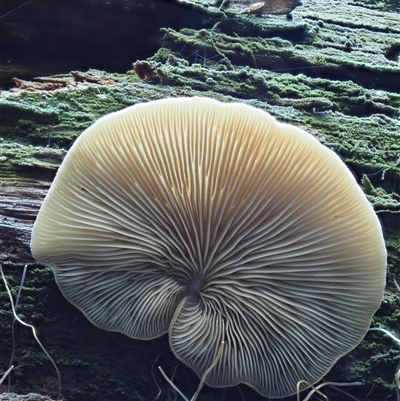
(38, 86)
(152, 74)
(58, 82)
(92, 78)
(267, 7)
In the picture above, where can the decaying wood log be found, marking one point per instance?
(18, 209)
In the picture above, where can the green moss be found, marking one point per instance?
(384, 5)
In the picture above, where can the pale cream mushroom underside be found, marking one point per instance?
(210, 222)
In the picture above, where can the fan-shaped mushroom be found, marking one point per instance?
(211, 222)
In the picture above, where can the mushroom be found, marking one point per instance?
(214, 222)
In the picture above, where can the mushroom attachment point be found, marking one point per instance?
(214, 222)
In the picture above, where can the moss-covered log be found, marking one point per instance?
(330, 67)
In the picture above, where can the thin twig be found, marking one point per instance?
(172, 384)
(203, 378)
(5, 374)
(393, 337)
(21, 284)
(317, 388)
(314, 389)
(15, 9)
(33, 331)
(154, 378)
